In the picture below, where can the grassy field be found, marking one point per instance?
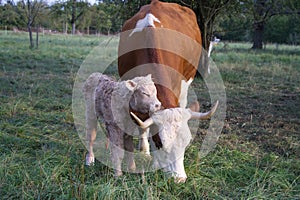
(42, 157)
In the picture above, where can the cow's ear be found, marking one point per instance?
(131, 85)
(194, 106)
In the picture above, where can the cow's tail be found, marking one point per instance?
(90, 115)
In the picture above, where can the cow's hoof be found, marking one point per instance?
(179, 179)
(89, 160)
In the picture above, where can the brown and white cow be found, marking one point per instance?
(162, 39)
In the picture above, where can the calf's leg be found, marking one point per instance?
(91, 131)
(91, 128)
(115, 135)
(129, 147)
(91, 120)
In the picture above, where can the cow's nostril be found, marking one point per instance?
(157, 105)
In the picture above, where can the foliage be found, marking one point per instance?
(262, 10)
(207, 12)
(233, 28)
(283, 29)
(8, 16)
(71, 12)
(42, 157)
(229, 19)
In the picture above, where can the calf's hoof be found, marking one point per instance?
(118, 173)
(132, 167)
(89, 160)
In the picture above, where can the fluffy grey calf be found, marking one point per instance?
(110, 101)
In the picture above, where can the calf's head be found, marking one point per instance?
(175, 135)
(144, 98)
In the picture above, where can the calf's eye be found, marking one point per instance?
(146, 94)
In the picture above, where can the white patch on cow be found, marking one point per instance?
(147, 21)
(184, 92)
(211, 45)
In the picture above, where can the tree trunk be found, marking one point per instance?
(30, 36)
(204, 60)
(259, 23)
(258, 35)
(37, 36)
(66, 28)
(73, 28)
(73, 20)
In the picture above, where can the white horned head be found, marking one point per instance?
(175, 136)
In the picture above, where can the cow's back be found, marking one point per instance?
(173, 21)
(171, 15)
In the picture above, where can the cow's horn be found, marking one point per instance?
(142, 124)
(207, 115)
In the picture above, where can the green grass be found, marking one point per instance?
(42, 157)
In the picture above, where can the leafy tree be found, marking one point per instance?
(8, 16)
(283, 29)
(233, 27)
(261, 11)
(207, 12)
(77, 10)
(29, 11)
(69, 12)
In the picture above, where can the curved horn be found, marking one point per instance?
(142, 124)
(207, 115)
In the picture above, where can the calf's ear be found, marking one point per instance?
(149, 76)
(131, 85)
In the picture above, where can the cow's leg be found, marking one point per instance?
(144, 143)
(129, 147)
(116, 137)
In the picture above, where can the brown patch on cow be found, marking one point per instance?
(179, 19)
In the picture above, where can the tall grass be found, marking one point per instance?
(42, 157)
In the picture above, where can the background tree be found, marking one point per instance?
(254, 21)
(8, 17)
(261, 11)
(69, 12)
(29, 11)
(207, 12)
(233, 26)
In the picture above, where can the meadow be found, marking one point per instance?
(42, 157)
